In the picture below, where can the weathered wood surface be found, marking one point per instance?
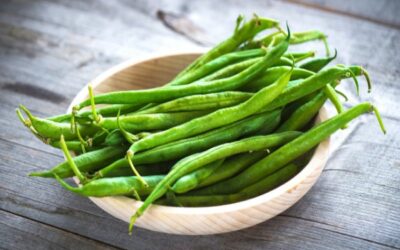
(50, 49)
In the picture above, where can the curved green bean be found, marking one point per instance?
(200, 102)
(146, 122)
(87, 162)
(114, 186)
(272, 74)
(317, 64)
(53, 130)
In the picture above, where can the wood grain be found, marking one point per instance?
(20, 233)
(61, 45)
(382, 12)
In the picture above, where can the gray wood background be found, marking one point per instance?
(50, 49)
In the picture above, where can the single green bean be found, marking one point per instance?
(299, 56)
(288, 152)
(317, 64)
(114, 186)
(146, 122)
(333, 97)
(54, 130)
(111, 110)
(231, 70)
(75, 146)
(272, 74)
(88, 162)
(200, 102)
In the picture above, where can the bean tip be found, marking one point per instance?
(367, 78)
(24, 121)
(27, 112)
(379, 118)
(288, 31)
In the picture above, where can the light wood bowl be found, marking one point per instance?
(137, 74)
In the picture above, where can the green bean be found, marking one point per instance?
(192, 180)
(216, 64)
(75, 146)
(146, 122)
(200, 102)
(333, 97)
(243, 32)
(360, 71)
(201, 87)
(88, 162)
(288, 152)
(317, 64)
(232, 166)
(315, 82)
(304, 114)
(181, 148)
(54, 130)
(193, 162)
(239, 66)
(299, 56)
(115, 138)
(214, 120)
(272, 74)
(111, 110)
(330, 93)
(231, 70)
(263, 186)
(144, 170)
(114, 186)
(297, 38)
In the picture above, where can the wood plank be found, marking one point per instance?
(21, 233)
(373, 184)
(383, 12)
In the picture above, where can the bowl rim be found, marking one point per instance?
(320, 154)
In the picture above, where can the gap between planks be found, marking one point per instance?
(343, 13)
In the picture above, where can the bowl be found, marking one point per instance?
(155, 71)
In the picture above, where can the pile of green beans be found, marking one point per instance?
(236, 123)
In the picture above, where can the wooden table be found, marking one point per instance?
(50, 49)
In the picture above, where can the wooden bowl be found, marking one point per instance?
(136, 74)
